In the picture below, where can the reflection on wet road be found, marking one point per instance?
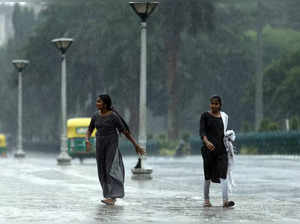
(36, 190)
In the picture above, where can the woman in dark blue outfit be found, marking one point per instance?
(214, 153)
(109, 159)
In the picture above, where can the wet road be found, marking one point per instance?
(36, 190)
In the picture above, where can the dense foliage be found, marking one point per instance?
(195, 49)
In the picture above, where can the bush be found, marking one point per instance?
(164, 143)
(268, 125)
(248, 151)
(295, 123)
(167, 152)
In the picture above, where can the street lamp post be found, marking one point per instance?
(143, 10)
(62, 44)
(20, 65)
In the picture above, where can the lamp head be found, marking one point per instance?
(20, 64)
(62, 44)
(143, 9)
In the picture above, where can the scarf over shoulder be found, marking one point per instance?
(229, 137)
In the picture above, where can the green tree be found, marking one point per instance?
(102, 59)
(282, 79)
(177, 17)
(23, 20)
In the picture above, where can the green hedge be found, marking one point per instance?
(196, 144)
(280, 142)
(261, 142)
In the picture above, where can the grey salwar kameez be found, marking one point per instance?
(109, 159)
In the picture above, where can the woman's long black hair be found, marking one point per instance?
(107, 100)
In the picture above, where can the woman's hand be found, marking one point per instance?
(87, 145)
(139, 150)
(209, 145)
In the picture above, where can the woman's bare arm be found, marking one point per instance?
(138, 148)
(87, 135)
(87, 141)
(208, 144)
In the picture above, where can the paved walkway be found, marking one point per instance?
(36, 190)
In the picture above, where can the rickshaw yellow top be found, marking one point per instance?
(79, 122)
(77, 127)
(2, 140)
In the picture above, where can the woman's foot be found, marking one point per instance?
(228, 204)
(207, 204)
(109, 201)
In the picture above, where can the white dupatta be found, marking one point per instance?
(229, 137)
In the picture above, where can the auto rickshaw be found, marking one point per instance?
(76, 130)
(3, 148)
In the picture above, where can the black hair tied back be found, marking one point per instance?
(107, 101)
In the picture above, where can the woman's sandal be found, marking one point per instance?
(109, 201)
(228, 204)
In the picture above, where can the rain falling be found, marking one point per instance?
(118, 111)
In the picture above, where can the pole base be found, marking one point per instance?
(64, 159)
(19, 155)
(141, 174)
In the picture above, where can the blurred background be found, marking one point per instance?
(246, 51)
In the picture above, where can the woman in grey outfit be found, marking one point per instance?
(109, 159)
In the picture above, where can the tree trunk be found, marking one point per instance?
(259, 69)
(173, 101)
